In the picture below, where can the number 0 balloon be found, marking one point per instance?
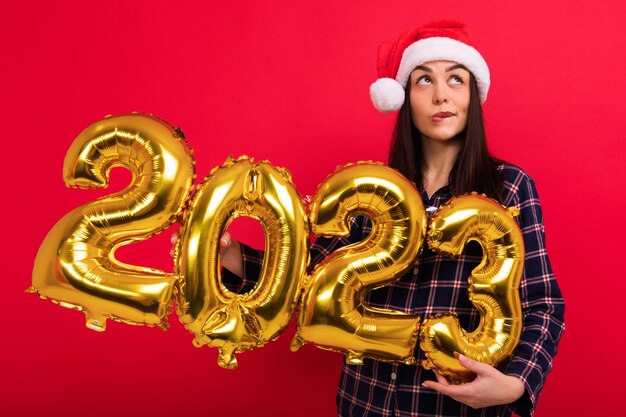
(217, 317)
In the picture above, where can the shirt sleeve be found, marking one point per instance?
(252, 262)
(542, 304)
(323, 246)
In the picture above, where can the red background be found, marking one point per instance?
(288, 81)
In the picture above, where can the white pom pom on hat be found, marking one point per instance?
(435, 41)
(387, 95)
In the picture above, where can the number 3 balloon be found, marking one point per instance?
(493, 286)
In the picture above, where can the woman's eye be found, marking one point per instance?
(425, 80)
(455, 79)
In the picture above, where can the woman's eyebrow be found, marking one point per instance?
(456, 66)
(450, 68)
(423, 68)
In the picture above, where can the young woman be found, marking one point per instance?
(438, 81)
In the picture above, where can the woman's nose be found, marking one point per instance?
(440, 100)
(439, 95)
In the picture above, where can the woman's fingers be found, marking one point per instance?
(173, 240)
(477, 367)
(442, 379)
(225, 242)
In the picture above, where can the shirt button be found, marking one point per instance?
(393, 376)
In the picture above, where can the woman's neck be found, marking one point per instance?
(439, 158)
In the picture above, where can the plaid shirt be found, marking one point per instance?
(438, 284)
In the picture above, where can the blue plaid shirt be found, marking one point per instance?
(438, 284)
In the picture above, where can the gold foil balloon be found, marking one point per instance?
(216, 316)
(76, 266)
(332, 313)
(493, 286)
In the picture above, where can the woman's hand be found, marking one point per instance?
(225, 243)
(230, 253)
(491, 387)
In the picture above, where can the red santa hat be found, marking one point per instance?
(435, 41)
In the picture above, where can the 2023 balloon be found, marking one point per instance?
(76, 267)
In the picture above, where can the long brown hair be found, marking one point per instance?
(474, 168)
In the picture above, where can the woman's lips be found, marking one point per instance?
(437, 117)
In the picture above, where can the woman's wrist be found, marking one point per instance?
(515, 387)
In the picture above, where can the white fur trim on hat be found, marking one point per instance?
(444, 49)
(387, 95)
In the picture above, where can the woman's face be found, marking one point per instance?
(440, 96)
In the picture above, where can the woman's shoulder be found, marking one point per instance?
(515, 181)
(510, 172)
